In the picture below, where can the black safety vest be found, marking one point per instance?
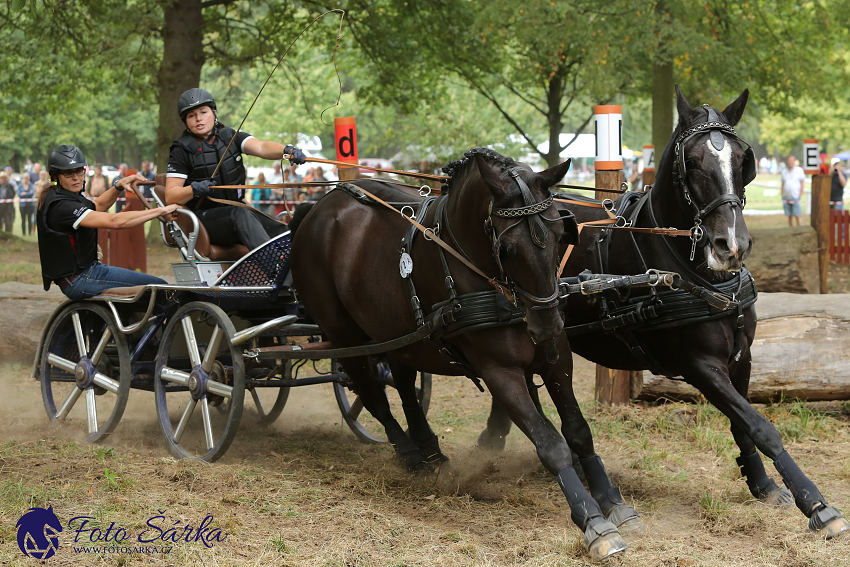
(204, 158)
(64, 254)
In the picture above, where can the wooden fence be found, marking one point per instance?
(839, 236)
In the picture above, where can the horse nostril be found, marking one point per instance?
(721, 245)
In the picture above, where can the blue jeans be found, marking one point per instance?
(98, 277)
(792, 208)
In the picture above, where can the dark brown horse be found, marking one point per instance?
(700, 182)
(345, 268)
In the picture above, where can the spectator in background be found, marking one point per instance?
(293, 175)
(98, 183)
(122, 173)
(7, 209)
(839, 181)
(262, 195)
(42, 183)
(26, 204)
(793, 179)
(147, 173)
(28, 167)
(319, 191)
(35, 173)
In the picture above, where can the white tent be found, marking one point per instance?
(583, 147)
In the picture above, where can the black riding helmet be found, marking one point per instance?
(193, 98)
(65, 157)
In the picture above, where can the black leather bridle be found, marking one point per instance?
(538, 231)
(717, 131)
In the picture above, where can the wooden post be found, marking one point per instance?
(348, 173)
(613, 387)
(648, 178)
(821, 186)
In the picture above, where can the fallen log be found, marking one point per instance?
(24, 309)
(800, 351)
(785, 259)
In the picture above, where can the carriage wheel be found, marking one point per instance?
(85, 355)
(365, 427)
(197, 367)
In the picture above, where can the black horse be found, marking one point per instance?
(700, 184)
(499, 216)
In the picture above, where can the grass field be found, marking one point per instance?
(304, 492)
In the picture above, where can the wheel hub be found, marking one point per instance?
(197, 383)
(84, 373)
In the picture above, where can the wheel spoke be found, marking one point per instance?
(205, 416)
(101, 345)
(62, 363)
(259, 403)
(78, 332)
(356, 408)
(219, 389)
(91, 410)
(106, 382)
(174, 375)
(191, 341)
(212, 349)
(184, 420)
(72, 398)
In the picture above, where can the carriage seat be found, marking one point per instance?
(129, 291)
(203, 245)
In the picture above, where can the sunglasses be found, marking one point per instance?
(73, 172)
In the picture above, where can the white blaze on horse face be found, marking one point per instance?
(724, 158)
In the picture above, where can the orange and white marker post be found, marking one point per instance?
(613, 387)
(345, 136)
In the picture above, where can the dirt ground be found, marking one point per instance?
(304, 492)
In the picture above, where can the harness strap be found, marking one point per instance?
(431, 235)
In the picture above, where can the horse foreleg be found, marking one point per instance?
(420, 432)
(558, 380)
(716, 387)
(375, 401)
(601, 537)
(752, 469)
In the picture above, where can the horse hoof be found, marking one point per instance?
(828, 521)
(491, 442)
(780, 498)
(601, 539)
(625, 518)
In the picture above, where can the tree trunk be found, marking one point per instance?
(662, 105)
(182, 60)
(553, 98)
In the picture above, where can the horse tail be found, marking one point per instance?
(298, 216)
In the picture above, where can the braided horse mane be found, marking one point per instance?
(456, 167)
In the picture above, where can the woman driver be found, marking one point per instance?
(67, 229)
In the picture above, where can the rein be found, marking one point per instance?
(430, 234)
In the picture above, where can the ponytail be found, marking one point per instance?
(44, 191)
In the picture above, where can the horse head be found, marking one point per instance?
(710, 168)
(518, 245)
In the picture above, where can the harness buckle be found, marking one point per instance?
(412, 212)
(425, 191)
(608, 205)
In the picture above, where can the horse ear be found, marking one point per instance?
(554, 174)
(682, 105)
(490, 177)
(735, 110)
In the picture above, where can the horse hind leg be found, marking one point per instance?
(752, 469)
(375, 401)
(420, 432)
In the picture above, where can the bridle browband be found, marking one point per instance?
(716, 130)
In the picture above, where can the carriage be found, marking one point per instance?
(233, 322)
(196, 344)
